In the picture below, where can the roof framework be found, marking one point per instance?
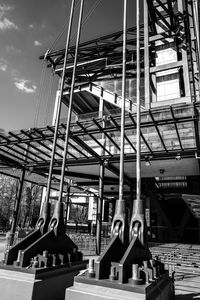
(164, 133)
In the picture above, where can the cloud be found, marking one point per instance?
(4, 8)
(6, 23)
(37, 43)
(38, 27)
(3, 65)
(13, 50)
(25, 85)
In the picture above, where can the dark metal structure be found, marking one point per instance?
(94, 90)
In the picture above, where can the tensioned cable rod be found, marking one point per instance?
(59, 103)
(70, 102)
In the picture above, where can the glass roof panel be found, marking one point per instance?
(169, 136)
(187, 134)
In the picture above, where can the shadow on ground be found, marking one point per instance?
(188, 296)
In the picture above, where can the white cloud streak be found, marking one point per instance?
(6, 23)
(3, 65)
(25, 85)
(13, 50)
(37, 43)
(4, 8)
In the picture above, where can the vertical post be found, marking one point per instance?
(196, 14)
(185, 58)
(101, 104)
(137, 220)
(101, 182)
(119, 221)
(99, 209)
(198, 230)
(146, 56)
(138, 146)
(57, 221)
(67, 204)
(121, 178)
(131, 202)
(16, 208)
(56, 106)
(148, 217)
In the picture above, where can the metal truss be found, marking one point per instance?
(101, 58)
(98, 58)
(31, 149)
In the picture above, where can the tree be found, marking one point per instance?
(8, 190)
(36, 192)
(29, 206)
(25, 205)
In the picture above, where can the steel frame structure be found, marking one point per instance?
(31, 148)
(101, 58)
(165, 21)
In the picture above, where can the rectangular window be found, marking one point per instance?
(168, 87)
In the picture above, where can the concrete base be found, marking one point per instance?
(106, 290)
(37, 284)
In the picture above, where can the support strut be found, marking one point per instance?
(119, 226)
(123, 252)
(49, 236)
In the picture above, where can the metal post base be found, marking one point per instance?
(105, 290)
(37, 250)
(40, 267)
(123, 272)
(37, 284)
(119, 258)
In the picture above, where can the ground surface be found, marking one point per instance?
(186, 289)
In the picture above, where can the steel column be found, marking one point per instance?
(67, 203)
(101, 103)
(138, 138)
(137, 223)
(99, 208)
(184, 57)
(121, 178)
(119, 220)
(146, 56)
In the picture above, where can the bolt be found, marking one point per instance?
(113, 275)
(91, 272)
(135, 271)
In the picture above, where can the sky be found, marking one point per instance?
(27, 29)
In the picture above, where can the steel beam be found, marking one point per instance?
(141, 134)
(106, 134)
(125, 136)
(176, 127)
(24, 148)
